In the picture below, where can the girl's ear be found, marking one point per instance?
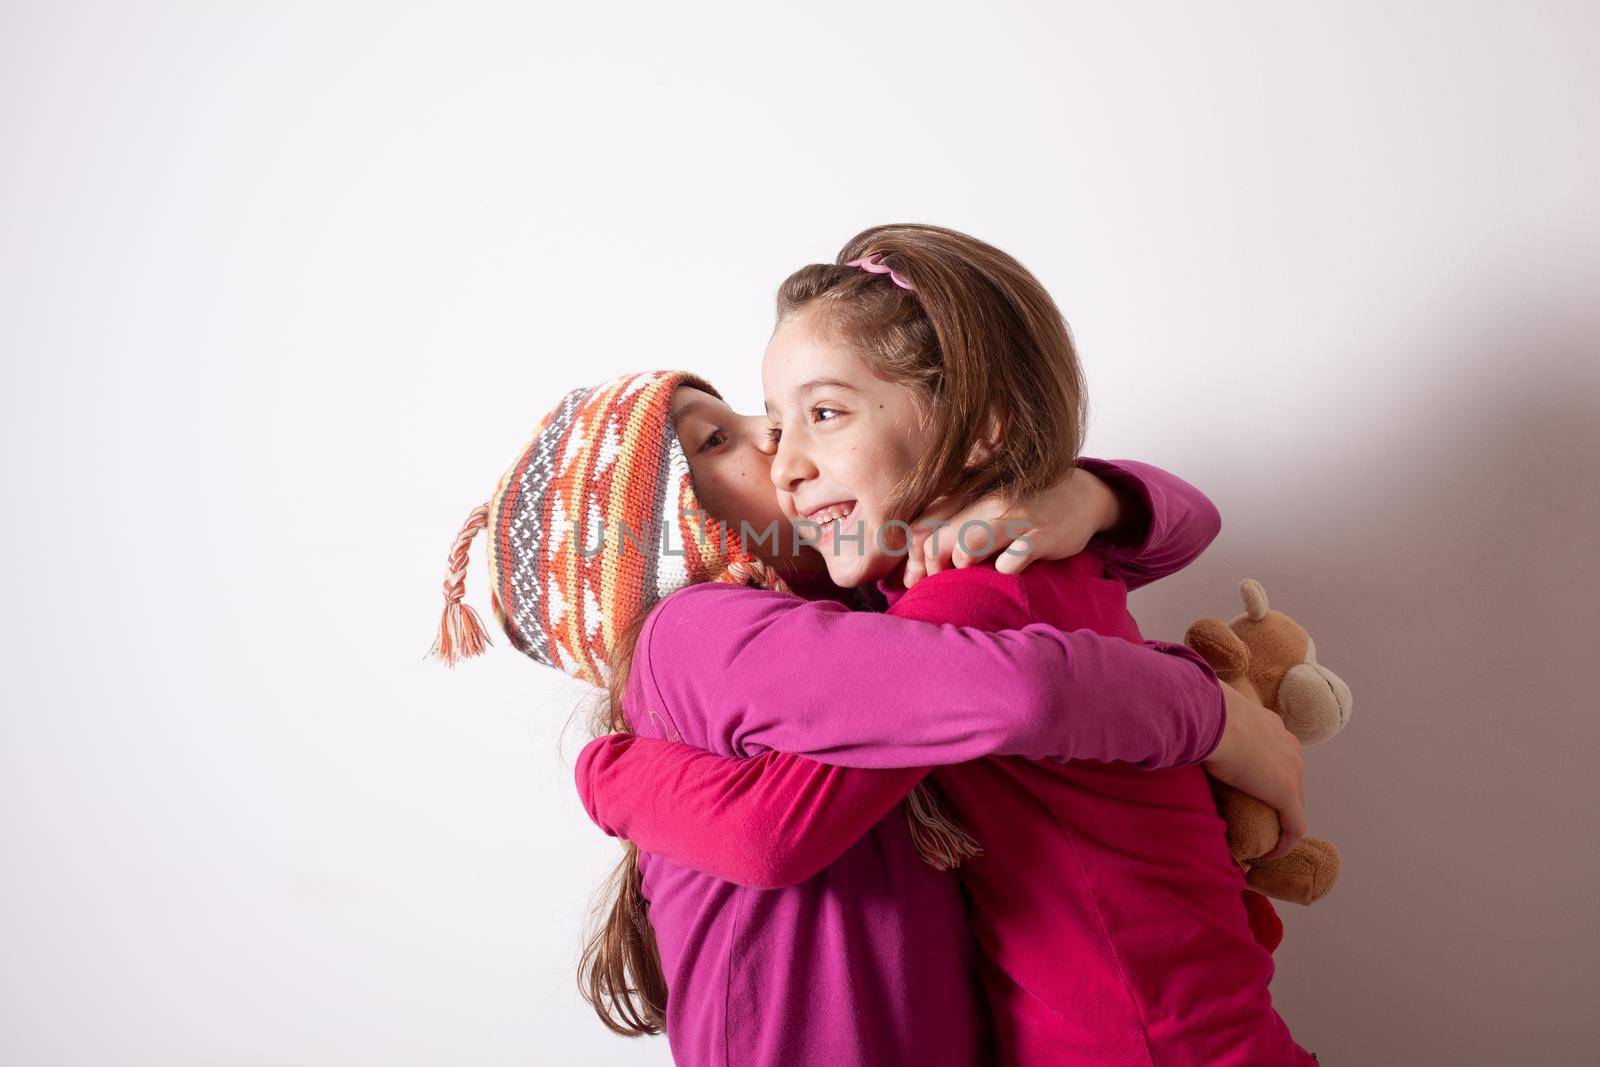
(989, 444)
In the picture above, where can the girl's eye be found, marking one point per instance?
(817, 413)
(773, 433)
(716, 438)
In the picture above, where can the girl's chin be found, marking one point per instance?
(857, 559)
(853, 572)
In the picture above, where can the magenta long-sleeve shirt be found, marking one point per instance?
(870, 960)
(1110, 916)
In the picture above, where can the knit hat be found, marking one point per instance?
(594, 522)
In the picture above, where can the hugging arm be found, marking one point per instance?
(1144, 523)
(767, 821)
(749, 671)
(778, 818)
(1167, 521)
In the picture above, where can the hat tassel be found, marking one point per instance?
(939, 839)
(461, 632)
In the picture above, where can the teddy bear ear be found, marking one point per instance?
(1254, 596)
(1218, 645)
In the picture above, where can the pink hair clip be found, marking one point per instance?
(871, 265)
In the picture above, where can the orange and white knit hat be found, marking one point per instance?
(594, 522)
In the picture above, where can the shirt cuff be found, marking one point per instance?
(1121, 478)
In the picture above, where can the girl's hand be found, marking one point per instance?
(1259, 756)
(1054, 524)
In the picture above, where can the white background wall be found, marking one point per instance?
(285, 286)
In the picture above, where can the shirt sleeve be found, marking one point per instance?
(1180, 522)
(755, 670)
(770, 821)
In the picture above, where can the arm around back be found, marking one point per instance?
(1176, 521)
(770, 821)
(742, 671)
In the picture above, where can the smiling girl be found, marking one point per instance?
(927, 366)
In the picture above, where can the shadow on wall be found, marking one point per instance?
(1455, 588)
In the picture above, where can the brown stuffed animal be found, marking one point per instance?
(1268, 657)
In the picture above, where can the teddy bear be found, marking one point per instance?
(1270, 658)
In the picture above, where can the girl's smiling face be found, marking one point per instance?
(845, 440)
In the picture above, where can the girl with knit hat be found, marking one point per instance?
(614, 556)
(1111, 921)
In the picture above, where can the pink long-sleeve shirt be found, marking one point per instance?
(869, 959)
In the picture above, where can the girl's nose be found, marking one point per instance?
(754, 428)
(789, 464)
(764, 439)
(751, 432)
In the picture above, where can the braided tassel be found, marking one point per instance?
(754, 571)
(940, 840)
(461, 632)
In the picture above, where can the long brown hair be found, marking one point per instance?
(981, 342)
(620, 972)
